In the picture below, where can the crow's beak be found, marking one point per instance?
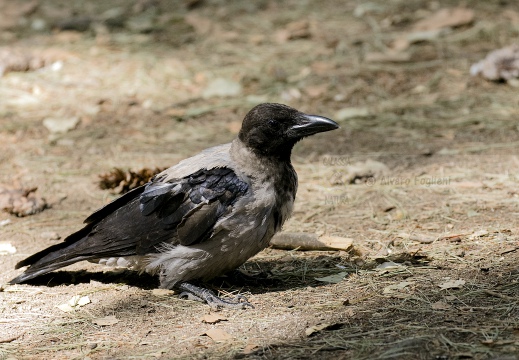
(311, 124)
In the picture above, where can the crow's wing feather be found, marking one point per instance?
(109, 208)
(195, 203)
(179, 211)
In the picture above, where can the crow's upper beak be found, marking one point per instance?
(311, 124)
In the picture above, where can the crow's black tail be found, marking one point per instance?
(80, 245)
(53, 257)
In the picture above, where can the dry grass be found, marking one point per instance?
(138, 98)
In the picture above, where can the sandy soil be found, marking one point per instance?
(134, 77)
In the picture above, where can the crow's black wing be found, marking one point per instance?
(192, 206)
(182, 211)
(109, 208)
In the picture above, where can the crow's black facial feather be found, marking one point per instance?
(272, 129)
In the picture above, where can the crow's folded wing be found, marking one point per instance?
(191, 206)
(179, 211)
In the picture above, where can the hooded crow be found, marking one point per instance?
(201, 218)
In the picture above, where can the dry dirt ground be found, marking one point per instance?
(132, 76)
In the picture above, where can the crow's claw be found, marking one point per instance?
(196, 293)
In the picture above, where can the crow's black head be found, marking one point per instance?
(273, 129)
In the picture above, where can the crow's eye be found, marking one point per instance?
(273, 123)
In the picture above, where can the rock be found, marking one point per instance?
(348, 113)
(221, 87)
(367, 8)
(362, 172)
(256, 99)
(114, 17)
(60, 125)
(501, 64)
(7, 248)
(39, 25)
(77, 23)
(19, 59)
(144, 22)
(50, 235)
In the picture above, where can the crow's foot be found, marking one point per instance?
(192, 292)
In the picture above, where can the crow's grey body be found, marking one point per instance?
(240, 232)
(202, 217)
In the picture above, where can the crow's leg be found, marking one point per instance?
(196, 293)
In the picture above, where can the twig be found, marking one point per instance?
(509, 251)
(501, 296)
(422, 238)
(11, 339)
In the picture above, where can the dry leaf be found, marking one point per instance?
(446, 18)
(74, 303)
(349, 312)
(452, 284)
(79, 300)
(21, 201)
(12, 59)
(424, 239)
(66, 308)
(316, 328)
(218, 335)
(492, 342)
(250, 348)
(362, 172)
(390, 288)
(478, 234)
(319, 327)
(337, 242)
(162, 292)
(402, 43)
(106, 321)
(213, 318)
(295, 30)
(389, 266)
(440, 305)
(333, 279)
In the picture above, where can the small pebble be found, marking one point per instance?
(50, 235)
